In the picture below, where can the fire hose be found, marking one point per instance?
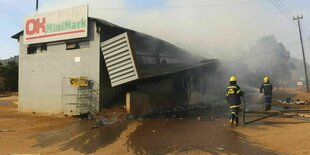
(269, 115)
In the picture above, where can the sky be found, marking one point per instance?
(211, 28)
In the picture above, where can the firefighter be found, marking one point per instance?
(266, 87)
(233, 94)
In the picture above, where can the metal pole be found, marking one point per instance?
(244, 106)
(37, 5)
(302, 48)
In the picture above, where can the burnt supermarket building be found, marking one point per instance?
(71, 63)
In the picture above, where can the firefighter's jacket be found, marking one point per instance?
(233, 94)
(267, 87)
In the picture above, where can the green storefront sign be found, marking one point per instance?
(66, 26)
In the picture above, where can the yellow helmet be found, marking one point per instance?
(232, 78)
(266, 79)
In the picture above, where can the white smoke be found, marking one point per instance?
(224, 29)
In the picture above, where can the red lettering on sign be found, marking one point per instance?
(40, 25)
(28, 23)
(35, 25)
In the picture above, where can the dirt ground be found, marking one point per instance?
(27, 133)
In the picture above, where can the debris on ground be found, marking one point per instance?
(104, 121)
(87, 116)
(110, 119)
(110, 116)
(180, 109)
(220, 148)
(205, 118)
(293, 101)
(304, 115)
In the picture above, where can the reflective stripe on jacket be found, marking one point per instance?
(233, 94)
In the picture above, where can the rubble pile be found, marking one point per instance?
(292, 101)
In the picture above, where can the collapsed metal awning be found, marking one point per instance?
(119, 60)
(131, 56)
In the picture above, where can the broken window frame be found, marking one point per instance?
(36, 48)
(73, 45)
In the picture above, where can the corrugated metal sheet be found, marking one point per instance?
(119, 60)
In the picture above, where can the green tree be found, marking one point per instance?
(2, 74)
(271, 60)
(11, 76)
